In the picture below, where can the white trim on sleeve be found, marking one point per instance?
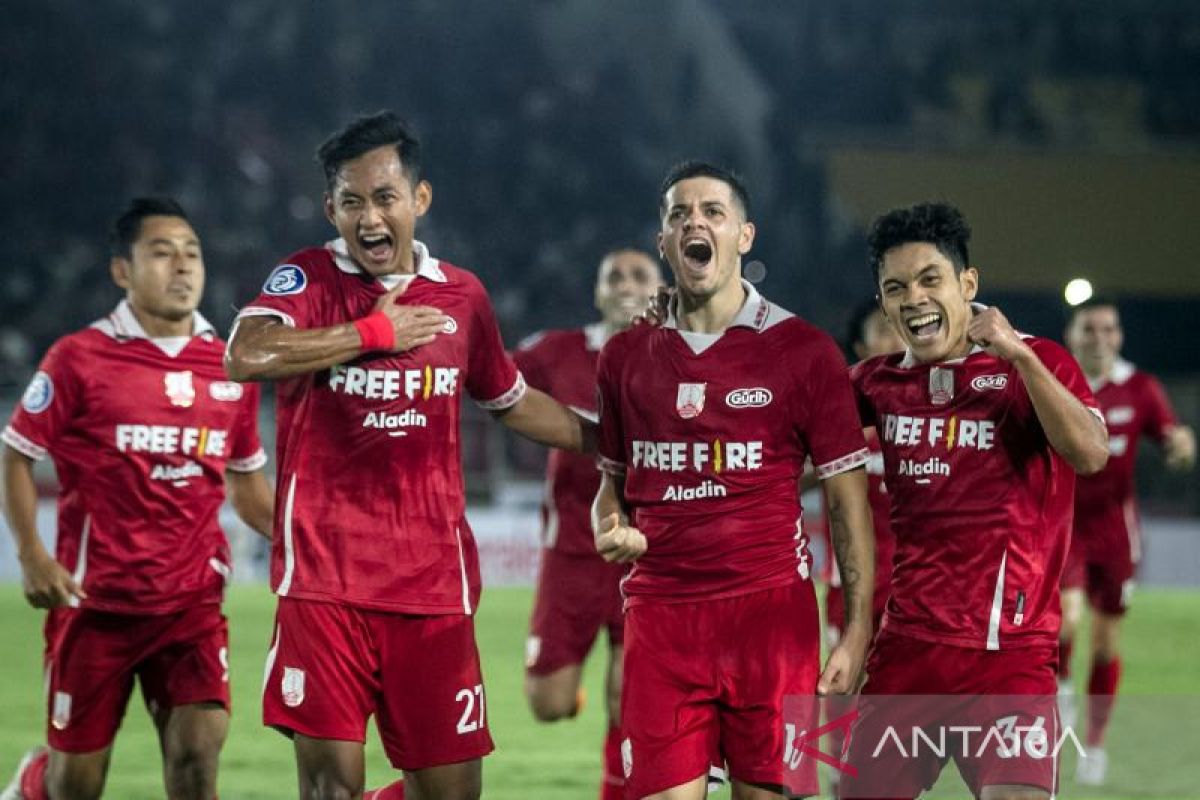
(250, 463)
(508, 399)
(844, 464)
(610, 466)
(263, 311)
(22, 445)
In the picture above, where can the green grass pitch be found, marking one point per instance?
(532, 761)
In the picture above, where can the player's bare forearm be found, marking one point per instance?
(265, 349)
(253, 499)
(610, 499)
(1073, 431)
(616, 540)
(541, 418)
(1179, 447)
(853, 536)
(20, 503)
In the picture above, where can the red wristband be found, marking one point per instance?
(375, 330)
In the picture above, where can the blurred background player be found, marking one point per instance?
(869, 334)
(146, 433)
(983, 430)
(373, 342)
(705, 424)
(1106, 545)
(578, 592)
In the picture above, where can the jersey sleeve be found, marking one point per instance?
(1067, 371)
(52, 399)
(493, 380)
(288, 294)
(532, 358)
(246, 452)
(829, 419)
(858, 381)
(1157, 412)
(610, 439)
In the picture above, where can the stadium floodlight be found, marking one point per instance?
(1077, 291)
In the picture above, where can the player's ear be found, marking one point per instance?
(328, 203)
(422, 197)
(662, 254)
(968, 279)
(120, 268)
(746, 238)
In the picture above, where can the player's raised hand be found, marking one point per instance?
(991, 330)
(412, 326)
(844, 666)
(618, 543)
(47, 583)
(1180, 447)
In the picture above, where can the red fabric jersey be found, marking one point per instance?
(1134, 405)
(885, 540)
(563, 365)
(141, 433)
(981, 504)
(712, 444)
(370, 507)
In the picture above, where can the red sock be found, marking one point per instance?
(612, 785)
(393, 792)
(1102, 690)
(33, 779)
(1065, 646)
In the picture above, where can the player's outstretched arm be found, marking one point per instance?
(265, 349)
(541, 418)
(252, 498)
(853, 537)
(46, 583)
(616, 539)
(1074, 432)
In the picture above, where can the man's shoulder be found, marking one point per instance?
(870, 367)
(553, 339)
(1049, 351)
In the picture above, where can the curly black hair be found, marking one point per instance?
(939, 224)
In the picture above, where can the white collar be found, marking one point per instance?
(427, 265)
(594, 336)
(1121, 371)
(908, 362)
(123, 326)
(753, 313)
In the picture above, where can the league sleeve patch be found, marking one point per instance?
(39, 394)
(284, 280)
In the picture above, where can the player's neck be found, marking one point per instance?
(712, 314)
(160, 327)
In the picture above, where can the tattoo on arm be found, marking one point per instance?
(839, 534)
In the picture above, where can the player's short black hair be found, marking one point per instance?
(858, 321)
(365, 133)
(940, 224)
(128, 226)
(701, 169)
(1095, 301)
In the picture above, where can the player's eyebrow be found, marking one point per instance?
(163, 241)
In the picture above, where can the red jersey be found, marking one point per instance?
(711, 433)
(141, 432)
(563, 365)
(885, 540)
(981, 503)
(1134, 405)
(370, 506)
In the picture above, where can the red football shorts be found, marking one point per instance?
(952, 688)
(576, 597)
(711, 676)
(1104, 569)
(331, 667)
(92, 658)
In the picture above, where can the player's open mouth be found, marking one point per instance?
(377, 246)
(924, 327)
(696, 254)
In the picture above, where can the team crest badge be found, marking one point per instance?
(179, 388)
(689, 401)
(941, 386)
(293, 686)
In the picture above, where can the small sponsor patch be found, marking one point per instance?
(39, 394)
(1119, 415)
(451, 326)
(225, 391)
(292, 686)
(756, 397)
(60, 717)
(993, 382)
(285, 279)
